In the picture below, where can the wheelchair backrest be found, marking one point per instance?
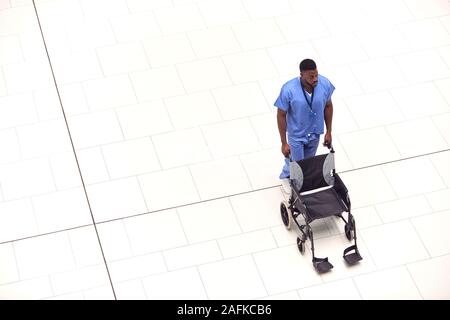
(313, 173)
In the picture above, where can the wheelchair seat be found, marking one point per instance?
(323, 203)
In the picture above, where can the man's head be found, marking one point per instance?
(308, 72)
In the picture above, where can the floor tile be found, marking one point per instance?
(137, 267)
(372, 78)
(208, 220)
(131, 157)
(246, 243)
(144, 119)
(240, 101)
(179, 19)
(431, 277)
(156, 83)
(26, 178)
(159, 188)
(425, 177)
(44, 255)
(96, 128)
(61, 210)
(236, 278)
(440, 122)
(154, 232)
(266, 8)
(263, 167)
(337, 290)
(213, 42)
(387, 249)
(111, 62)
(386, 42)
(114, 239)
(130, 290)
(181, 148)
(134, 27)
(92, 165)
(18, 220)
(377, 139)
(33, 289)
(203, 74)
(266, 129)
(391, 284)
(218, 13)
(286, 59)
(10, 144)
(249, 66)
(168, 50)
(340, 50)
(412, 142)
(17, 110)
(258, 34)
(79, 279)
(403, 209)
(439, 200)
(295, 26)
(258, 210)
(432, 229)
(9, 272)
(184, 284)
(192, 255)
(373, 110)
(424, 34)
(201, 104)
(65, 171)
(116, 199)
(358, 182)
(436, 69)
(442, 85)
(229, 177)
(297, 272)
(440, 161)
(412, 100)
(230, 138)
(43, 139)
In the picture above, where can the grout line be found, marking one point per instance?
(73, 148)
(235, 215)
(412, 278)
(259, 274)
(105, 164)
(203, 283)
(352, 279)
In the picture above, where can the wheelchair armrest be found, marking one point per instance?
(341, 190)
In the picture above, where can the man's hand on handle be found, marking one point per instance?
(327, 139)
(285, 149)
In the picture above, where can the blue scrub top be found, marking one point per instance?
(304, 123)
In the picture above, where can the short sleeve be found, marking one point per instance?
(330, 90)
(282, 101)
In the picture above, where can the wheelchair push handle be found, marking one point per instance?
(329, 146)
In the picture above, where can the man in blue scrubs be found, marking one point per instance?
(304, 104)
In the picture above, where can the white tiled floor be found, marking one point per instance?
(163, 182)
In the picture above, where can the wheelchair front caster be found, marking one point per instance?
(301, 245)
(286, 215)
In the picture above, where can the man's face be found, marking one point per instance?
(311, 77)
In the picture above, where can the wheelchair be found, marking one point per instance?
(317, 192)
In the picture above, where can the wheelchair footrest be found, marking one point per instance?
(352, 258)
(322, 265)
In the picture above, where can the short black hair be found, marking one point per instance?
(307, 64)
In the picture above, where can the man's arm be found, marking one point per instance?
(282, 125)
(328, 120)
